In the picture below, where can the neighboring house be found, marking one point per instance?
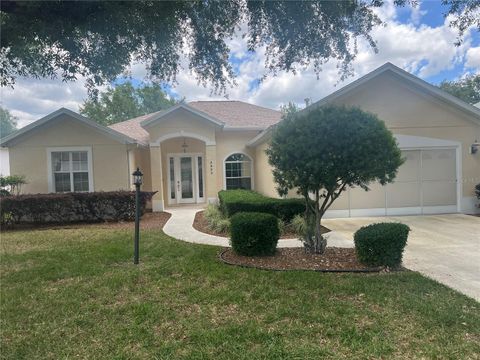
(4, 162)
(191, 151)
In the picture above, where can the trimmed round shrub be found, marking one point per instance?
(381, 244)
(254, 234)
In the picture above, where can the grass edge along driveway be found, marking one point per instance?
(74, 293)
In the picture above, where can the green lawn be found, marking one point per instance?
(76, 294)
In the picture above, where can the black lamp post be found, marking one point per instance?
(137, 180)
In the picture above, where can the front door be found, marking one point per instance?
(185, 178)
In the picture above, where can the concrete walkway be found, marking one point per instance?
(443, 247)
(180, 226)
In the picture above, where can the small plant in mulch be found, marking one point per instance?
(212, 221)
(216, 221)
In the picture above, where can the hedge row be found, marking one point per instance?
(234, 201)
(71, 207)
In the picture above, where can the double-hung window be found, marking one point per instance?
(70, 171)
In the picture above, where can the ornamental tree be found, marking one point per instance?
(322, 151)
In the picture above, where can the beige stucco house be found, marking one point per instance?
(192, 150)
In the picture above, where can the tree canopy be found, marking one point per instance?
(124, 102)
(8, 122)
(467, 89)
(100, 39)
(321, 151)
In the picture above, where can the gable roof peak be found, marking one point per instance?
(410, 79)
(6, 141)
(181, 105)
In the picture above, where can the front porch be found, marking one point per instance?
(183, 171)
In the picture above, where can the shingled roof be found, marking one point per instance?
(233, 114)
(238, 113)
(134, 129)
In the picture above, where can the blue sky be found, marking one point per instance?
(418, 40)
(433, 17)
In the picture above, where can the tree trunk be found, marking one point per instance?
(320, 241)
(313, 240)
(309, 236)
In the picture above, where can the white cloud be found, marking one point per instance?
(423, 50)
(416, 14)
(473, 58)
(32, 99)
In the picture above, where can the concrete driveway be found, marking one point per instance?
(443, 247)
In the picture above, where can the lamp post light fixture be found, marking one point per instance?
(137, 181)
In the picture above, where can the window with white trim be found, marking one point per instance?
(70, 171)
(238, 172)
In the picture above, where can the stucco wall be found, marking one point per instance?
(264, 182)
(181, 121)
(408, 111)
(29, 155)
(228, 143)
(202, 136)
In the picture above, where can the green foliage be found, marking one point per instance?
(124, 102)
(282, 226)
(4, 192)
(99, 39)
(467, 88)
(233, 201)
(217, 222)
(299, 225)
(64, 208)
(321, 151)
(289, 109)
(332, 147)
(254, 234)
(381, 244)
(8, 122)
(13, 183)
(463, 15)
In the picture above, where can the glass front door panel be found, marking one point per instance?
(200, 177)
(172, 177)
(186, 177)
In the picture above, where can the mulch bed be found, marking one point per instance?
(200, 223)
(334, 260)
(149, 221)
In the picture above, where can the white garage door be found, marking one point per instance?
(426, 183)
